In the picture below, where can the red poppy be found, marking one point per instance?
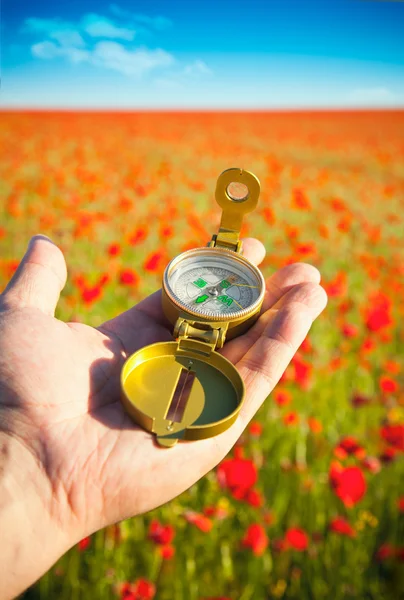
(143, 589)
(359, 400)
(368, 345)
(377, 319)
(103, 279)
(372, 464)
(155, 262)
(344, 225)
(394, 435)
(128, 277)
(89, 295)
(167, 552)
(391, 366)
(268, 215)
(10, 267)
(302, 370)
(300, 200)
(114, 249)
(237, 474)
(344, 306)
(378, 315)
(338, 205)
(305, 249)
(336, 363)
(292, 231)
(338, 286)
(400, 504)
(84, 543)
(349, 446)
(166, 232)
(125, 590)
(349, 330)
(348, 483)
(297, 539)
(388, 385)
(306, 346)
(200, 521)
(385, 552)
(161, 534)
(341, 526)
(255, 428)
(388, 455)
(291, 418)
(138, 236)
(254, 498)
(314, 425)
(256, 539)
(282, 397)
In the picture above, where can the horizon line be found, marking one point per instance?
(305, 109)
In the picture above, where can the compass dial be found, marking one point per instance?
(214, 283)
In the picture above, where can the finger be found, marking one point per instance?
(39, 279)
(287, 326)
(277, 286)
(253, 250)
(287, 277)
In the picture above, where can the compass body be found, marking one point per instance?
(213, 285)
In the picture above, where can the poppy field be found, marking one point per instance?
(309, 504)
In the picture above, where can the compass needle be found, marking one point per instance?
(245, 285)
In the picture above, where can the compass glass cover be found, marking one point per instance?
(214, 284)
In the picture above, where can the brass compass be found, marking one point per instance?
(185, 389)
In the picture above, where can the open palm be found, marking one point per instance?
(60, 389)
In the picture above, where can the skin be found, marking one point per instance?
(71, 461)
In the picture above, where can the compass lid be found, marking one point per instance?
(181, 393)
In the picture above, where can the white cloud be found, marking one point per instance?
(67, 34)
(130, 62)
(100, 27)
(45, 50)
(48, 50)
(68, 37)
(198, 67)
(109, 55)
(374, 96)
(190, 74)
(35, 25)
(158, 22)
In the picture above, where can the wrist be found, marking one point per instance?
(34, 530)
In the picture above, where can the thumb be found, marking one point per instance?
(39, 279)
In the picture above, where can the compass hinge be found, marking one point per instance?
(226, 239)
(199, 336)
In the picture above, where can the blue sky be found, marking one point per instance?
(202, 54)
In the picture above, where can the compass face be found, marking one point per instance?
(214, 283)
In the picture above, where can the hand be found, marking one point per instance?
(72, 460)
